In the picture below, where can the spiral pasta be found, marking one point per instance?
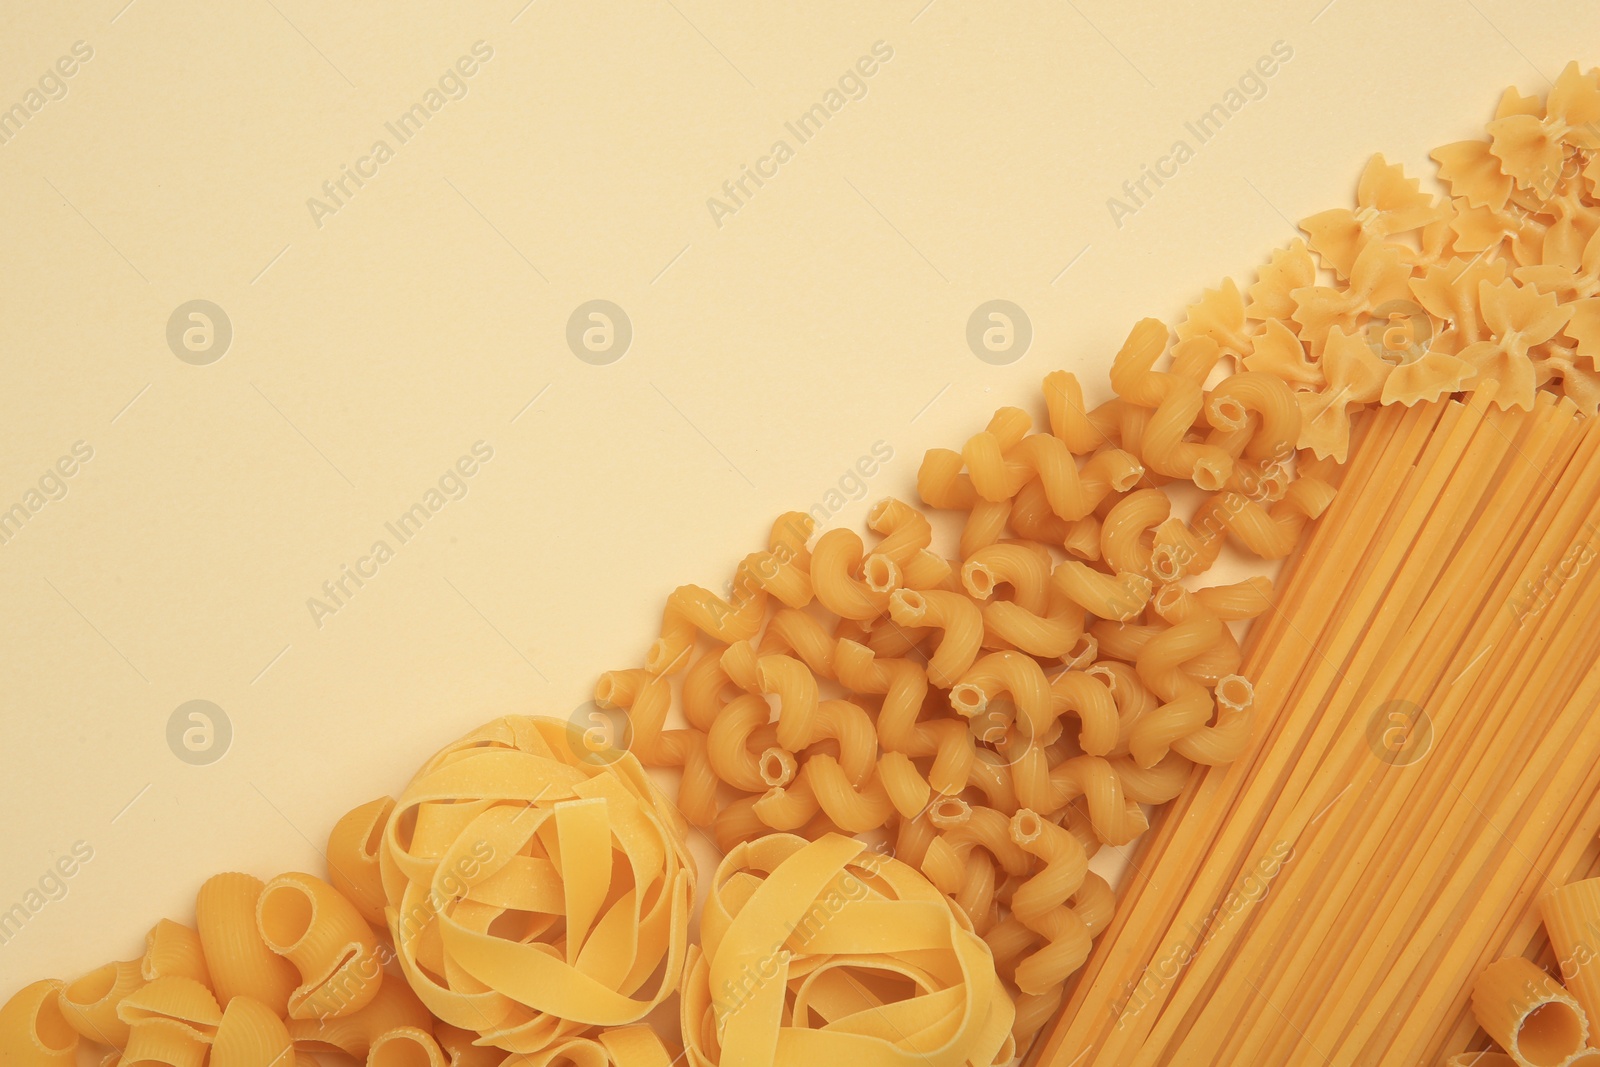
(490, 851)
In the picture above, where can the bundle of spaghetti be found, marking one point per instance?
(1370, 834)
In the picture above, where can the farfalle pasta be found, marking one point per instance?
(533, 894)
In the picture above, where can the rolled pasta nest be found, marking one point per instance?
(535, 895)
(828, 952)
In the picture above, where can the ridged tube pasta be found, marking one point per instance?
(240, 963)
(1023, 679)
(164, 1043)
(1267, 396)
(960, 621)
(174, 950)
(783, 568)
(33, 1032)
(395, 1005)
(692, 610)
(1040, 903)
(1186, 705)
(251, 1035)
(1571, 916)
(353, 857)
(835, 560)
(1105, 596)
(798, 634)
(1080, 429)
(532, 893)
(1124, 530)
(790, 931)
(906, 531)
(1176, 401)
(904, 688)
(171, 1021)
(406, 1046)
(786, 678)
(822, 785)
(1043, 788)
(89, 1002)
(1527, 1013)
(311, 924)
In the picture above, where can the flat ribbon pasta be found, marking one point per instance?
(826, 952)
(534, 893)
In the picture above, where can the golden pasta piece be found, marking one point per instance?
(1571, 915)
(311, 924)
(1520, 318)
(239, 962)
(1176, 401)
(815, 951)
(172, 950)
(1286, 270)
(406, 1046)
(1355, 376)
(394, 1006)
(1531, 149)
(181, 1000)
(1528, 1013)
(534, 894)
(159, 1042)
(34, 1032)
(353, 857)
(1387, 203)
(89, 1003)
(251, 1035)
(461, 1051)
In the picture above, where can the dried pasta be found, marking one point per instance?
(312, 925)
(237, 959)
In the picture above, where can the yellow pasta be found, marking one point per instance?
(958, 619)
(158, 1042)
(239, 962)
(1571, 915)
(33, 1031)
(506, 917)
(1528, 1013)
(394, 1006)
(353, 857)
(796, 930)
(251, 1035)
(89, 1003)
(172, 950)
(406, 1046)
(1176, 401)
(311, 924)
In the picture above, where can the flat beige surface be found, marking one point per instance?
(379, 337)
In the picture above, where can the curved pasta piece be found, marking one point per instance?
(353, 857)
(33, 1031)
(173, 950)
(179, 1000)
(1219, 316)
(1176, 401)
(158, 1042)
(1126, 526)
(1381, 274)
(251, 1035)
(906, 531)
(692, 610)
(1122, 596)
(823, 786)
(1531, 148)
(835, 561)
(1527, 1013)
(941, 483)
(239, 962)
(394, 1005)
(798, 634)
(460, 1049)
(311, 924)
(533, 894)
(89, 1003)
(1187, 706)
(1048, 789)
(833, 908)
(1388, 203)
(959, 619)
(1236, 398)
(406, 1046)
(782, 569)
(1083, 431)
(626, 1046)
(786, 678)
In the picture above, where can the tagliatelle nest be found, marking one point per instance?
(826, 952)
(534, 891)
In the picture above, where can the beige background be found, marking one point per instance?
(429, 313)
